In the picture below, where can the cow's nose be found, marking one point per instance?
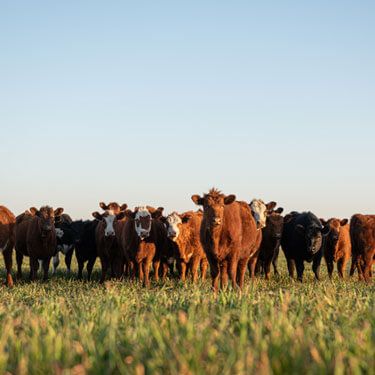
(110, 234)
(217, 221)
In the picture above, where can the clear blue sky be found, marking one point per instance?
(149, 102)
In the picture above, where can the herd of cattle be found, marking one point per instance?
(227, 235)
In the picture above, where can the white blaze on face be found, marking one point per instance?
(109, 220)
(173, 230)
(259, 210)
(143, 221)
(59, 233)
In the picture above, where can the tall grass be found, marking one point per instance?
(65, 326)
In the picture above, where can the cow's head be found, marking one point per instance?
(173, 223)
(260, 210)
(334, 226)
(143, 216)
(113, 212)
(275, 223)
(46, 217)
(313, 234)
(213, 206)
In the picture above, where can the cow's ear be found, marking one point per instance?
(121, 215)
(229, 199)
(163, 219)
(157, 213)
(300, 229)
(186, 218)
(103, 206)
(59, 211)
(325, 230)
(34, 211)
(271, 205)
(280, 210)
(343, 222)
(197, 200)
(123, 207)
(97, 215)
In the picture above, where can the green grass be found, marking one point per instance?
(65, 326)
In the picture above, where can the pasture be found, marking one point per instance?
(66, 326)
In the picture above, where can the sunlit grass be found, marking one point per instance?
(278, 327)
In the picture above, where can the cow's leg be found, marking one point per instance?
(33, 268)
(55, 262)
(156, 265)
(232, 269)
(146, 270)
(8, 265)
(204, 266)
(45, 266)
(215, 273)
(267, 267)
(164, 271)
(316, 264)
(353, 266)
(241, 272)
(80, 269)
(194, 269)
(19, 258)
(252, 264)
(68, 260)
(140, 272)
(90, 266)
(224, 274)
(300, 268)
(182, 271)
(367, 267)
(291, 267)
(329, 267)
(105, 265)
(359, 267)
(274, 261)
(341, 264)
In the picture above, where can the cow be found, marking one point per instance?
(184, 231)
(229, 236)
(144, 240)
(259, 210)
(337, 245)
(107, 236)
(66, 238)
(36, 238)
(7, 226)
(362, 233)
(302, 241)
(271, 238)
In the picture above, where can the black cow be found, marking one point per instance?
(66, 238)
(271, 238)
(302, 241)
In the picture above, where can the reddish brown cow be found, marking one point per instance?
(144, 240)
(362, 233)
(7, 224)
(229, 236)
(107, 234)
(337, 245)
(36, 238)
(184, 231)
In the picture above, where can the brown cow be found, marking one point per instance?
(362, 233)
(229, 236)
(7, 224)
(184, 231)
(337, 245)
(144, 240)
(107, 235)
(36, 238)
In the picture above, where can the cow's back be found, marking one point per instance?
(7, 224)
(362, 232)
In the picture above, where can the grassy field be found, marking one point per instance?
(65, 326)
